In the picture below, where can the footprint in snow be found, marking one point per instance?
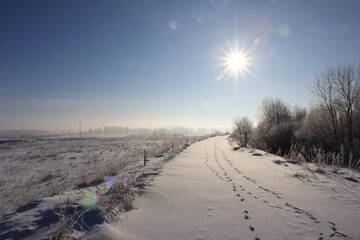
(246, 215)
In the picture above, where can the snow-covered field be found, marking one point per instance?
(210, 191)
(37, 175)
(39, 168)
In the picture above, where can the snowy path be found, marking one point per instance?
(211, 192)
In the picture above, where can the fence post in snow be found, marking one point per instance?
(145, 158)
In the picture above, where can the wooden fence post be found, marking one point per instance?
(145, 160)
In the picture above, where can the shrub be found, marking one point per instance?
(328, 134)
(257, 139)
(280, 137)
(274, 111)
(243, 129)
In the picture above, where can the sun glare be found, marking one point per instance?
(236, 62)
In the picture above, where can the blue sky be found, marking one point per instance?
(157, 63)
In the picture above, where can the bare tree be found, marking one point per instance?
(299, 114)
(243, 129)
(274, 112)
(347, 86)
(357, 115)
(325, 89)
(338, 89)
(319, 129)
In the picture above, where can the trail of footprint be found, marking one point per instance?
(288, 205)
(297, 210)
(335, 232)
(277, 195)
(234, 188)
(228, 179)
(266, 190)
(301, 211)
(217, 174)
(273, 193)
(246, 216)
(242, 188)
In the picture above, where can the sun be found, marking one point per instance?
(236, 62)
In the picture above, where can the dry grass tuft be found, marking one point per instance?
(67, 222)
(119, 198)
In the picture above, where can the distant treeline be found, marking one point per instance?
(177, 131)
(22, 133)
(327, 131)
(110, 131)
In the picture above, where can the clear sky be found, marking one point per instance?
(158, 63)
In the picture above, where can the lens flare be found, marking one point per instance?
(109, 180)
(89, 200)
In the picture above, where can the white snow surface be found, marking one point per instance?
(33, 169)
(210, 191)
(39, 177)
